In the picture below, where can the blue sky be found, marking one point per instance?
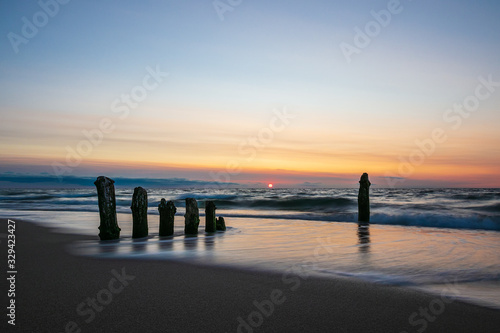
(226, 77)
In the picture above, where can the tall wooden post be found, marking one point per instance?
(364, 199)
(108, 227)
(167, 211)
(210, 221)
(139, 213)
(192, 217)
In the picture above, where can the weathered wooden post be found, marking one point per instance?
(108, 228)
(167, 211)
(210, 221)
(364, 199)
(221, 224)
(192, 217)
(139, 213)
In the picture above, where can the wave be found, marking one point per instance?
(475, 222)
(76, 195)
(438, 221)
(27, 197)
(304, 204)
(206, 196)
(293, 203)
(476, 196)
(495, 208)
(443, 208)
(441, 278)
(37, 196)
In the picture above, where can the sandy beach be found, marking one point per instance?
(59, 292)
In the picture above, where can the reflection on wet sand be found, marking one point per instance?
(381, 253)
(209, 243)
(108, 247)
(364, 237)
(166, 244)
(139, 245)
(191, 243)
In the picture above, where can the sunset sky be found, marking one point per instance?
(296, 93)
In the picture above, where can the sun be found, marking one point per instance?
(270, 185)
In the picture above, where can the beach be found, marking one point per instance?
(60, 292)
(250, 166)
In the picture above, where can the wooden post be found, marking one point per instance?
(167, 211)
(210, 222)
(364, 199)
(192, 217)
(221, 224)
(108, 228)
(139, 213)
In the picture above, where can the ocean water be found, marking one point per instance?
(444, 241)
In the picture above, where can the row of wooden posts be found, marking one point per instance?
(108, 228)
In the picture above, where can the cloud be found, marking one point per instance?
(9, 180)
(310, 184)
(394, 178)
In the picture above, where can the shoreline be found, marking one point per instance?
(60, 292)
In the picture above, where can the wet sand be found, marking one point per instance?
(59, 292)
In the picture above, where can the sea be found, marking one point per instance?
(442, 241)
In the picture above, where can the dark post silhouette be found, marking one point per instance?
(139, 213)
(364, 199)
(167, 211)
(221, 224)
(210, 222)
(108, 228)
(192, 217)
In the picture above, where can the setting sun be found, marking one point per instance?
(270, 185)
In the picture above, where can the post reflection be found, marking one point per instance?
(209, 243)
(191, 243)
(108, 247)
(166, 244)
(209, 246)
(364, 237)
(138, 246)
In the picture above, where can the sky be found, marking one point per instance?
(295, 93)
